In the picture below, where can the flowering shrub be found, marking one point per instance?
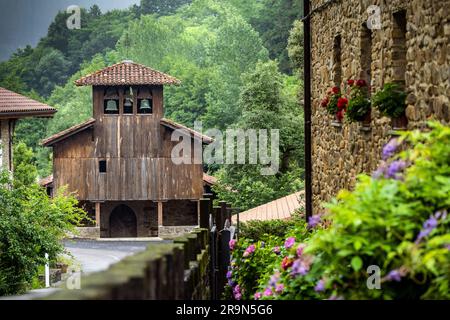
(334, 103)
(390, 100)
(359, 104)
(396, 222)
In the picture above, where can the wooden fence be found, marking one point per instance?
(193, 267)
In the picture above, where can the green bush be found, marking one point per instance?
(390, 100)
(31, 224)
(260, 230)
(394, 222)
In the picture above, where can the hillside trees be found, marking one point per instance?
(265, 105)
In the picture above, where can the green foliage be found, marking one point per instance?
(295, 46)
(265, 105)
(162, 7)
(399, 224)
(261, 230)
(31, 224)
(359, 104)
(25, 171)
(390, 100)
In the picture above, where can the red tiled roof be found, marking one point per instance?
(173, 125)
(44, 182)
(67, 133)
(209, 180)
(16, 106)
(282, 208)
(126, 73)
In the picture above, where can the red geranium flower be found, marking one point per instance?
(324, 102)
(350, 82)
(286, 263)
(342, 103)
(361, 83)
(335, 90)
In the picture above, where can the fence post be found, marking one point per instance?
(204, 213)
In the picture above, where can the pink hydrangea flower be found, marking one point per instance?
(300, 249)
(258, 295)
(289, 242)
(232, 244)
(268, 292)
(277, 250)
(251, 248)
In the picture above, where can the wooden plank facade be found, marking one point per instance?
(135, 149)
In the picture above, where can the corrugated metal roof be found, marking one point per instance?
(127, 73)
(282, 208)
(17, 104)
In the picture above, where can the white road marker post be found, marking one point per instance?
(47, 272)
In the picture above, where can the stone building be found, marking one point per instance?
(411, 47)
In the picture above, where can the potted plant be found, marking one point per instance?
(391, 102)
(333, 102)
(359, 106)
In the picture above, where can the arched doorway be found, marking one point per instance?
(122, 223)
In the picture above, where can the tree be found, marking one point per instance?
(295, 46)
(265, 105)
(162, 7)
(31, 224)
(25, 171)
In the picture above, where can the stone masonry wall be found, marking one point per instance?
(342, 152)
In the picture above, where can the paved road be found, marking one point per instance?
(93, 256)
(96, 255)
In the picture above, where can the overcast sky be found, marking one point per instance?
(24, 22)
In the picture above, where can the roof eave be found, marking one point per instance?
(25, 114)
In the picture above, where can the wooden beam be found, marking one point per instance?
(160, 214)
(97, 214)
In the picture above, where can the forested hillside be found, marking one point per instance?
(219, 49)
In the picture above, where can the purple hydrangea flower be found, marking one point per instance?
(258, 295)
(277, 250)
(299, 268)
(447, 246)
(380, 172)
(231, 283)
(238, 296)
(395, 168)
(289, 242)
(430, 224)
(229, 275)
(320, 286)
(394, 275)
(279, 288)
(314, 220)
(390, 149)
(274, 279)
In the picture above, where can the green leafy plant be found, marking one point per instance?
(31, 224)
(396, 221)
(359, 104)
(390, 100)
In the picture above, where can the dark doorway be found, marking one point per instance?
(122, 223)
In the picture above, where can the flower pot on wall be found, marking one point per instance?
(367, 119)
(399, 123)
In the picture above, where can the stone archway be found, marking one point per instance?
(122, 222)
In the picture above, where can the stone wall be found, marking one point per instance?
(340, 43)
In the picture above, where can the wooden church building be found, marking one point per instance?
(119, 161)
